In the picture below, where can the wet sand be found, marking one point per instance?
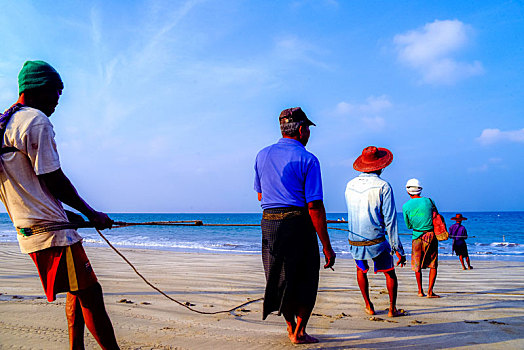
(481, 308)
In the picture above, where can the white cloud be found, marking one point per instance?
(96, 31)
(344, 108)
(497, 162)
(373, 105)
(374, 122)
(479, 169)
(429, 50)
(491, 136)
(376, 104)
(367, 112)
(294, 49)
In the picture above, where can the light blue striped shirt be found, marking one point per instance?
(371, 213)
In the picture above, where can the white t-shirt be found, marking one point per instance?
(27, 200)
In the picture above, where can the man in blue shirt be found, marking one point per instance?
(289, 186)
(372, 213)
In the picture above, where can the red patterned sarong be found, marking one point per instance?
(424, 252)
(63, 269)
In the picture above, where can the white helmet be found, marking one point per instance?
(413, 183)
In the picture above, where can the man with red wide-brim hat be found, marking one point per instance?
(372, 215)
(458, 233)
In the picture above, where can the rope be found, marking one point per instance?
(400, 234)
(119, 224)
(167, 296)
(124, 224)
(336, 228)
(230, 224)
(343, 229)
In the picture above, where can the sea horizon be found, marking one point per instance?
(492, 235)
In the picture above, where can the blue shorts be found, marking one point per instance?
(381, 263)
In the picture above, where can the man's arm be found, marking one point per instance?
(62, 189)
(389, 212)
(318, 217)
(406, 219)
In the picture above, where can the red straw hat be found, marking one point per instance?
(458, 217)
(373, 159)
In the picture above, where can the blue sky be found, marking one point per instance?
(166, 103)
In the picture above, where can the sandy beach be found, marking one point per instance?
(481, 308)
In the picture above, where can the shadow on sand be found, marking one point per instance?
(435, 336)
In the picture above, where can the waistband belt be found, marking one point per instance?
(422, 231)
(366, 243)
(34, 230)
(282, 216)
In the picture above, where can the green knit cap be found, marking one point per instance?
(35, 74)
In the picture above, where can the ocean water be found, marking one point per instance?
(493, 235)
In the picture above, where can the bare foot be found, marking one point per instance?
(370, 310)
(304, 339)
(397, 312)
(463, 268)
(421, 294)
(433, 295)
(290, 330)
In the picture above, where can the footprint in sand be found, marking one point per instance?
(125, 301)
(496, 322)
(418, 322)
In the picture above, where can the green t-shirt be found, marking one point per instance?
(418, 215)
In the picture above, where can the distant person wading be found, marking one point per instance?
(459, 234)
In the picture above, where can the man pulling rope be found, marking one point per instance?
(33, 188)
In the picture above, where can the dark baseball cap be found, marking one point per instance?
(295, 114)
